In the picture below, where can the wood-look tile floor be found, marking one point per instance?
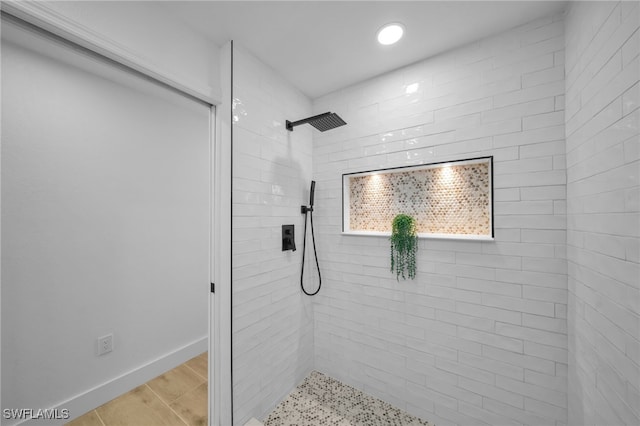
(175, 398)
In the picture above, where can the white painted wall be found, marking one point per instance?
(603, 241)
(105, 215)
(272, 319)
(480, 336)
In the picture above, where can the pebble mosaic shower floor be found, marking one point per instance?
(322, 400)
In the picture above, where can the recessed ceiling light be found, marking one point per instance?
(390, 33)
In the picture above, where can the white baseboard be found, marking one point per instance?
(95, 397)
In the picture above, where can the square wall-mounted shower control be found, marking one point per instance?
(288, 238)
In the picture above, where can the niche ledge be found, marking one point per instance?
(423, 235)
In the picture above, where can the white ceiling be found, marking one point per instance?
(322, 46)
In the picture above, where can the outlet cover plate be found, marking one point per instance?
(105, 344)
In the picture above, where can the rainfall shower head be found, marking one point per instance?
(322, 122)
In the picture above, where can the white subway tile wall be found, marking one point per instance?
(480, 336)
(272, 319)
(603, 230)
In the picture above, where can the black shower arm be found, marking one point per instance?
(291, 125)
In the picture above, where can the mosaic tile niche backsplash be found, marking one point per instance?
(451, 199)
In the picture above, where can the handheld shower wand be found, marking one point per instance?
(308, 210)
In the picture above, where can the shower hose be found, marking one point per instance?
(309, 211)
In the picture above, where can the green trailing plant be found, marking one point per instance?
(404, 244)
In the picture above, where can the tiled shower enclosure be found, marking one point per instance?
(539, 325)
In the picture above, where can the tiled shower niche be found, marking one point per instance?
(448, 200)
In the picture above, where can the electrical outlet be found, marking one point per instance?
(105, 344)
